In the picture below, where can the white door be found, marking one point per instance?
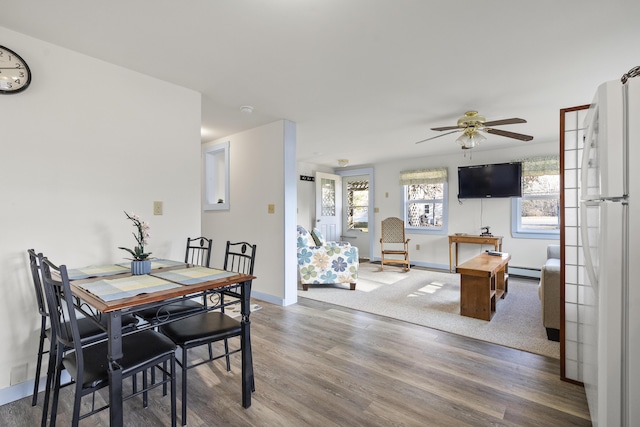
(329, 205)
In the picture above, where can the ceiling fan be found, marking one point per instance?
(471, 124)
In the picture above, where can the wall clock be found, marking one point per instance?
(15, 75)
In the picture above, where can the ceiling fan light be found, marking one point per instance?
(470, 141)
(478, 138)
(463, 140)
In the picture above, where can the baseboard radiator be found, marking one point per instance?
(525, 272)
(531, 273)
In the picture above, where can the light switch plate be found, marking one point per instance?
(157, 208)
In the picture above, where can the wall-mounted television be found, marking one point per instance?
(490, 181)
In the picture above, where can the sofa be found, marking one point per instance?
(322, 262)
(549, 292)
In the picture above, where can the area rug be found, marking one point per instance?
(234, 310)
(432, 299)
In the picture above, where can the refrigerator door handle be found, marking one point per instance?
(589, 150)
(586, 244)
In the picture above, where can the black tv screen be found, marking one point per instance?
(497, 180)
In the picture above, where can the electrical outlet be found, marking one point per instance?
(18, 374)
(417, 247)
(157, 208)
(271, 208)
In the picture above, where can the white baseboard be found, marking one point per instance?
(267, 298)
(24, 389)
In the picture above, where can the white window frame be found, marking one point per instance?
(517, 230)
(215, 166)
(425, 176)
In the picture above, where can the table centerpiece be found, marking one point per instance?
(140, 263)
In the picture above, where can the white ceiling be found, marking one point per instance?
(363, 79)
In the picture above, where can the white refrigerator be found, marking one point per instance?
(610, 230)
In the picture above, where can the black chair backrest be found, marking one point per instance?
(240, 257)
(37, 283)
(64, 323)
(198, 251)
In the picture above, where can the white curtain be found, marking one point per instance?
(423, 176)
(538, 166)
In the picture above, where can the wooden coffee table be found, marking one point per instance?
(483, 279)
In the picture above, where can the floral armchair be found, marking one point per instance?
(322, 262)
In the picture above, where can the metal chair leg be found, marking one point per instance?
(184, 387)
(173, 392)
(76, 405)
(51, 374)
(145, 394)
(164, 377)
(36, 383)
(56, 387)
(226, 351)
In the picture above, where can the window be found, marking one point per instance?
(328, 197)
(358, 205)
(425, 200)
(215, 189)
(537, 213)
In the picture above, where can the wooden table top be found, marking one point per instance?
(147, 298)
(471, 238)
(483, 264)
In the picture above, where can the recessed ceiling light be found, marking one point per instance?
(247, 109)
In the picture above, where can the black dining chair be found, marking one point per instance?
(209, 327)
(87, 365)
(89, 330)
(239, 257)
(198, 253)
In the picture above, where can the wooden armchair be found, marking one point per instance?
(396, 244)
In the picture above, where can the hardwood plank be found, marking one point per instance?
(322, 365)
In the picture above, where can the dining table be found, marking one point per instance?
(111, 290)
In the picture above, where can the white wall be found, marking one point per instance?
(467, 217)
(84, 142)
(259, 176)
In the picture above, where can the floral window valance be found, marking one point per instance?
(423, 176)
(538, 166)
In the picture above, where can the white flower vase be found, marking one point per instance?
(141, 267)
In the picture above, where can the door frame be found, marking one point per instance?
(372, 225)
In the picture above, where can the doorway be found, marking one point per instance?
(358, 226)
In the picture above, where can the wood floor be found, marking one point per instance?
(323, 365)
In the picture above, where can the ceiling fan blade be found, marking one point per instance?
(513, 135)
(505, 122)
(438, 136)
(446, 128)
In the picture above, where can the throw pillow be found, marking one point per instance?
(318, 237)
(304, 238)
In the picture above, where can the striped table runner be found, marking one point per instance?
(193, 275)
(109, 290)
(97, 271)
